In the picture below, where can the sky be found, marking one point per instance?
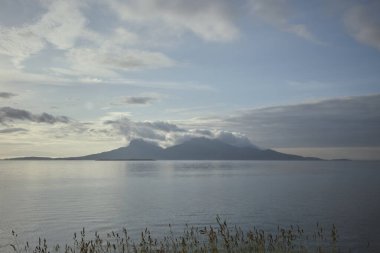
(79, 77)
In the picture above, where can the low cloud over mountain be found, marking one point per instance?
(167, 134)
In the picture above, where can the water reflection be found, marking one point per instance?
(57, 198)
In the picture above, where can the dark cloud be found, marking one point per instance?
(278, 13)
(204, 132)
(12, 130)
(138, 100)
(162, 126)
(7, 95)
(346, 122)
(363, 23)
(9, 114)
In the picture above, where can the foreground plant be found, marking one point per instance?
(219, 238)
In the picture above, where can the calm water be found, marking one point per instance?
(54, 199)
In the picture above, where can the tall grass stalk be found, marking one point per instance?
(218, 238)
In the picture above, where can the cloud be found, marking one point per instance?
(83, 52)
(211, 20)
(19, 43)
(60, 26)
(138, 100)
(7, 95)
(12, 130)
(278, 13)
(69, 48)
(153, 131)
(362, 22)
(341, 122)
(9, 114)
(233, 138)
(134, 130)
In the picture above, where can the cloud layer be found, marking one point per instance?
(345, 122)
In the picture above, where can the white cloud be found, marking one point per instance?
(211, 20)
(363, 23)
(19, 44)
(61, 26)
(115, 52)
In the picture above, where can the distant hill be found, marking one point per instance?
(32, 158)
(193, 149)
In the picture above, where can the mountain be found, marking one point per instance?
(194, 149)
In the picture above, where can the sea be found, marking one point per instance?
(54, 199)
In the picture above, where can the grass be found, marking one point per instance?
(218, 238)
